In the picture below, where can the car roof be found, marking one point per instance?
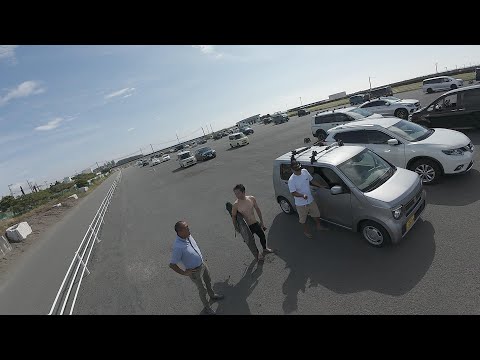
(384, 122)
(237, 133)
(183, 152)
(438, 77)
(333, 156)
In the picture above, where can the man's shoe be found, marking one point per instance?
(217, 297)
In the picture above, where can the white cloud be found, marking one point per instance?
(8, 52)
(128, 95)
(126, 91)
(131, 129)
(25, 89)
(52, 124)
(208, 50)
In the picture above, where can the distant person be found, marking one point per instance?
(187, 252)
(299, 186)
(245, 206)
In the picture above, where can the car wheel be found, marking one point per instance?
(428, 170)
(374, 233)
(285, 206)
(321, 134)
(453, 86)
(401, 113)
(429, 90)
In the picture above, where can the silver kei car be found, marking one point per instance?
(363, 192)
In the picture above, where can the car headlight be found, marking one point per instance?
(397, 212)
(456, 152)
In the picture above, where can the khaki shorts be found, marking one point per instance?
(310, 209)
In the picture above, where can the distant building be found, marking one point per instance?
(87, 171)
(337, 95)
(67, 180)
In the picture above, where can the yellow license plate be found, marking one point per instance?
(410, 222)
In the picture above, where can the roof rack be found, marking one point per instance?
(324, 151)
(300, 151)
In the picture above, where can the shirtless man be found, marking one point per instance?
(245, 205)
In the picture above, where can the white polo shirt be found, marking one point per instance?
(301, 183)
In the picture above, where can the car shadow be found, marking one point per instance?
(344, 263)
(235, 148)
(236, 295)
(178, 169)
(455, 190)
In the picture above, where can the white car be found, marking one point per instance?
(238, 139)
(186, 158)
(326, 120)
(441, 83)
(155, 161)
(165, 157)
(429, 152)
(392, 106)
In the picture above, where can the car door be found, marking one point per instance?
(333, 208)
(375, 106)
(341, 119)
(352, 137)
(444, 113)
(377, 141)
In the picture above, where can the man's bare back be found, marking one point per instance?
(245, 207)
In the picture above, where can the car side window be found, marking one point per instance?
(471, 98)
(377, 137)
(330, 177)
(285, 171)
(324, 119)
(342, 118)
(352, 137)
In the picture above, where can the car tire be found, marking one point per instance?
(401, 113)
(429, 91)
(427, 168)
(285, 206)
(231, 146)
(374, 233)
(321, 134)
(453, 86)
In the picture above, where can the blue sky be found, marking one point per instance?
(63, 108)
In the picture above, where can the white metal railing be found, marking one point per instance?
(72, 278)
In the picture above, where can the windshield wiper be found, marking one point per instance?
(377, 183)
(426, 135)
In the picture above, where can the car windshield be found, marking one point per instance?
(204, 149)
(363, 112)
(239, 136)
(391, 98)
(410, 131)
(184, 156)
(367, 171)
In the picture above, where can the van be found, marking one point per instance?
(441, 83)
(186, 158)
(456, 109)
(383, 91)
(238, 139)
(362, 193)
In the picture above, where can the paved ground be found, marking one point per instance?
(435, 270)
(32, 282)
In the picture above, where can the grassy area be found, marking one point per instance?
(6, 223)
(398, 89)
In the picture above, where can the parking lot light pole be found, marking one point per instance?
(436, 70)
(301, 101)
(370, 82)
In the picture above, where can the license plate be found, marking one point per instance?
(410, 222)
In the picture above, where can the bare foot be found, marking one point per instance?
(308, 235)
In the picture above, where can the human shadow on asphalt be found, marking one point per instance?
(455, 190)
(343, 262)
(236, 295)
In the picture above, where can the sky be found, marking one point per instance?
(65, 108)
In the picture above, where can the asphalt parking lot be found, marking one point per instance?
(434, 270)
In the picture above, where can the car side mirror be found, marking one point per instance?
(392, 142)
(336, 190)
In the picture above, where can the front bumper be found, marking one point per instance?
(457, 164)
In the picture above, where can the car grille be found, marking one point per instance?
(412, 203)
(417, 214)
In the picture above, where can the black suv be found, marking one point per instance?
(302, 112)
(459, 108)
(279, 119)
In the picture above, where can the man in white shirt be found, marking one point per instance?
(299, 186)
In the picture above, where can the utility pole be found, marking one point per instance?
(177, 138)
(301, 101)
(436, 70)
(203, 131)
(152, 147)
(370, 82)
(445, 68)
(211, 128)
(10, 188)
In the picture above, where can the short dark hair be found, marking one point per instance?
(179, 225)
(239, 187)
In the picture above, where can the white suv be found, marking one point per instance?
(429, 152)
(186, 158)
(238, 139)
(441, 83)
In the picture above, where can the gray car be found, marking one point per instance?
(362, 193)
